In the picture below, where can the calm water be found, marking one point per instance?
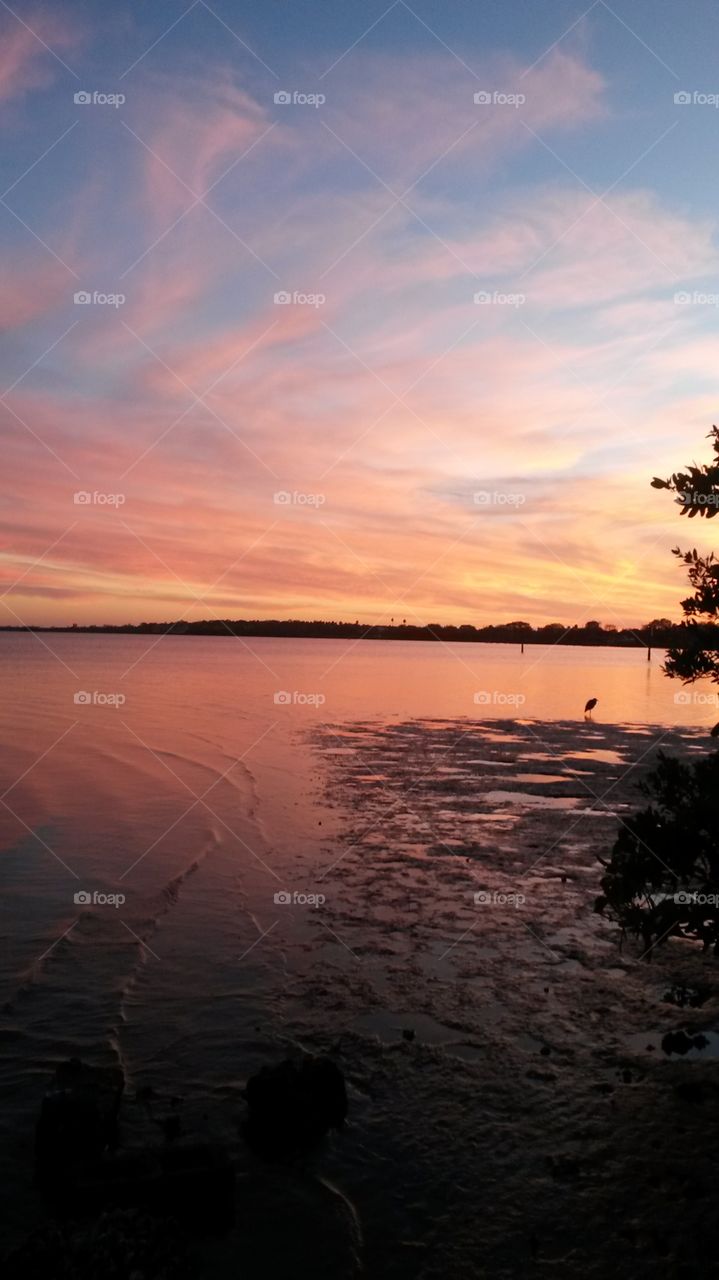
(204, 677)
(185, 780)
(189, 757)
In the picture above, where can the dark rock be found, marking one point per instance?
(680, 1042)
(694, 1091)
(289, 1225)
(78, 1120)
(695, 1190)
(171, 1127)
(408, 1033)
(190, 1182)
(563, 1168)
(683, 997)
(196, 1186)
(82, 1174)
(292, 1108)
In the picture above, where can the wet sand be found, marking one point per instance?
(509, 1114)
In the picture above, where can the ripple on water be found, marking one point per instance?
(391, 1028)
(529, 801)
(506, 764)
(601, 754)
(540, 777)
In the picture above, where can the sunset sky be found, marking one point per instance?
(438, 458)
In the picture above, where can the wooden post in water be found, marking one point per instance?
(522, 646)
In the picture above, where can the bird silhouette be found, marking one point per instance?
(589, 708)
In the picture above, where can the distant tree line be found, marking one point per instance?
(660, 633)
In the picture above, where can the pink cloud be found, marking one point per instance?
(26, 62)
(192, 134)
(30, 288)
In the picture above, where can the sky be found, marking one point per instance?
(354, 311)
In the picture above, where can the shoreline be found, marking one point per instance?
(569, 639)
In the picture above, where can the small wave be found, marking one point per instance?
(166, 899)
(171, 891)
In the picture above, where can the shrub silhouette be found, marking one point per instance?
(662, 879)
(697, 491)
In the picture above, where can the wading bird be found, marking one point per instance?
(589, 708)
